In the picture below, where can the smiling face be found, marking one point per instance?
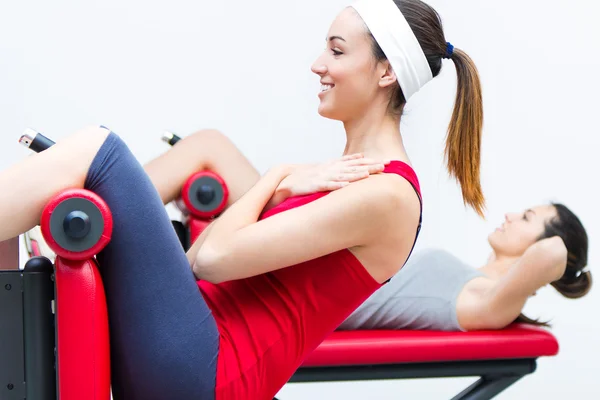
(351, 79)
(521, 230)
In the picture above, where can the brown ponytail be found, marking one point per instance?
(463, 142)
(576, 287)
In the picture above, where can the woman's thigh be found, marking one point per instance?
(164, 339)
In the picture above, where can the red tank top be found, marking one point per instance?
(270, 322)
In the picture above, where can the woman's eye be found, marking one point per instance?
(336, 52)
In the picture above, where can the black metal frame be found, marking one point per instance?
(495, 375)
(27, 332)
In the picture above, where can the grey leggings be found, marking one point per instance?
(164, 339)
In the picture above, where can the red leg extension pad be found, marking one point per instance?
(83, 364)
(77, 224)
(344, 348)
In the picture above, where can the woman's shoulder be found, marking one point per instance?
(395, 189)
(391, 223)
(394, 204)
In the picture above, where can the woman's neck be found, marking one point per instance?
(375, 135)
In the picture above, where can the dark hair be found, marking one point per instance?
(575, 282)
(463, 141)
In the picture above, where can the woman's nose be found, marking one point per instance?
(318, 68)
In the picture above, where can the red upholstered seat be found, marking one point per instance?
(396, 347)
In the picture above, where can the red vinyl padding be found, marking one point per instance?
(197, 226)
(395, 347)
(82, 328)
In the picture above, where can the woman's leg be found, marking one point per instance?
(26, 186)
(164, 340)
(203, 150)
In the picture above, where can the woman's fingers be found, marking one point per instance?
(371, 169)
(362, 162)
(335, 185)
(352, 157)
(348, 176)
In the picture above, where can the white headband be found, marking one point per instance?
(398, 43)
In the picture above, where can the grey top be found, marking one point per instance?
(422, 295)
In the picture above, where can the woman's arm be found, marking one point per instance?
(238, 246)
(243, 212)
(543, 263)
(302, 179)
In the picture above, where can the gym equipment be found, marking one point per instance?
(53, 318)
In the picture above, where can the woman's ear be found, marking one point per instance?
(388, 76)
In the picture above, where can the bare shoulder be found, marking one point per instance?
(394, 210)
(397, 203)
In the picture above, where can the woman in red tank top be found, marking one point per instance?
(302, 246)
(264, 271)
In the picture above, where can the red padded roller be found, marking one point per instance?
(85, 203)
(213, 206)
(400, 347)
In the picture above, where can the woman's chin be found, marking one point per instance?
(492, 238)
(327, 112)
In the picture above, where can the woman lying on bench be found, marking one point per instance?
(437, 291)
(271, 287)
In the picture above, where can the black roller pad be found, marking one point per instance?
(58, 217)
(215, 202)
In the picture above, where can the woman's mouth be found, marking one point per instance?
(326, 86)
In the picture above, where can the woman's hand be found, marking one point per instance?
(331, 175)
(325, 177)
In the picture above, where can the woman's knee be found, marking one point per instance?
(206, 135)
(78, 150)
(85, 142)
(209, 140)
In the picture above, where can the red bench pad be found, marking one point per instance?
(401, 347)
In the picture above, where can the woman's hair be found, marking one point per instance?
(575, 282)
(463, 141)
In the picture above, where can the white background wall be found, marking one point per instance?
(243, 67)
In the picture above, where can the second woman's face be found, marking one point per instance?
(521, 230)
